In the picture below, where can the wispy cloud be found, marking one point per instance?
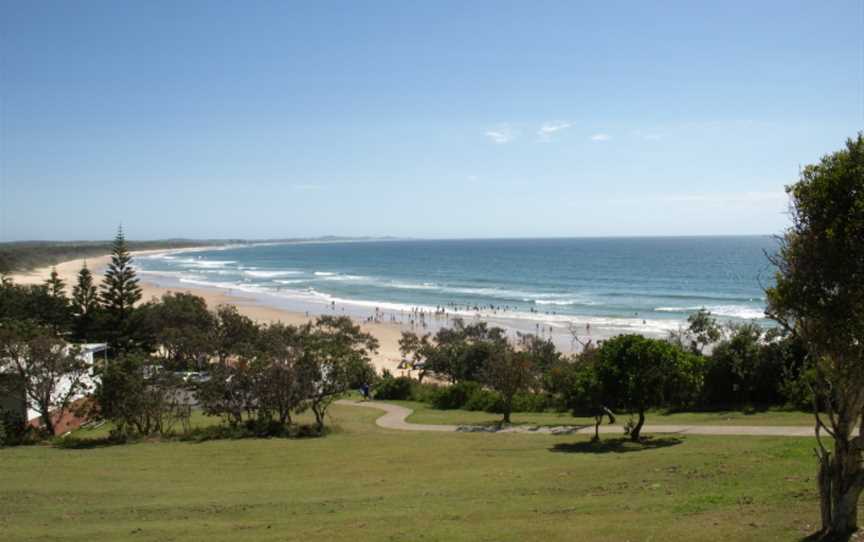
(548, 129)
(501, 134)
(601, 137)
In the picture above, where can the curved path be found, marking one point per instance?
(394, 418)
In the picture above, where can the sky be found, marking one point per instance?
(418, 119)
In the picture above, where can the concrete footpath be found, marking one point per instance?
(394, 418)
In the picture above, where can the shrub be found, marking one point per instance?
(455, 396)
(393, 389)
(425, 392)
(530, 402)
(13, 430)
(485, 400)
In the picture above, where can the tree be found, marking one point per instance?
(56, 285)
(182, 328)
(819, 295)
(229, 392)
(85, 305)
(234, 335)
(636, 373)
(508, 372)
(741, 355)
(280, 388)
(542, 352)
(461, 352)
(335, 358)
(579, 387)
(138, 397)
(702, 330)
(119, 292)
(281, 384)
(34, 303)
(53, 374)
(420, 349)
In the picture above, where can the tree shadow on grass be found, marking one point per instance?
(615, 445)
(74, 443)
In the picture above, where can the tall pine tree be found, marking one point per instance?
(85, 304)
(119, 293)
(56, 285)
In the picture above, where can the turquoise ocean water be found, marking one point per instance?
(648, 285)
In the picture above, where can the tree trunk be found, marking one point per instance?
(319, 418)
(636, 432)
(847, 481)
(840, 480)
(44, 406)
(49, 424)
(845, 517)
(597, 421)
(508, 407)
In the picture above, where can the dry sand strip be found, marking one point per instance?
(394, 418)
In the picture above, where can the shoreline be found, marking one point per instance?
(388, 334)
(386, 325)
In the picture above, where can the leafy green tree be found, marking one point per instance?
(119, 293)
(542, 352)
(741, 355)
(636, 374)
(336, 358)
(230, 392)
(53, 374)
(34, 303)
(234, 334)
(508, 372)
(138, 397)
(461, 352)
(819, 296)
(702, 330)
(578, 386)
(419, 350)
(85, 306)
(182, 329)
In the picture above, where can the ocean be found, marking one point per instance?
(606, 285)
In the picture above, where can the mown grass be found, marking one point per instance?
(423, 413)
(362, 482)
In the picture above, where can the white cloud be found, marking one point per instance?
(548, 129)
(601, 137)
(501, 134)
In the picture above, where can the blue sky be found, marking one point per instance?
(432, 119)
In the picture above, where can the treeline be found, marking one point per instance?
(168, 356)
(26, 255)
(748, 367)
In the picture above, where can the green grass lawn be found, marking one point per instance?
(362, 482)
(423, 413)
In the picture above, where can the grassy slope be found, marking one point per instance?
(423, 413)
(366, 483)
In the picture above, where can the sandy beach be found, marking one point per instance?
(387, 334)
